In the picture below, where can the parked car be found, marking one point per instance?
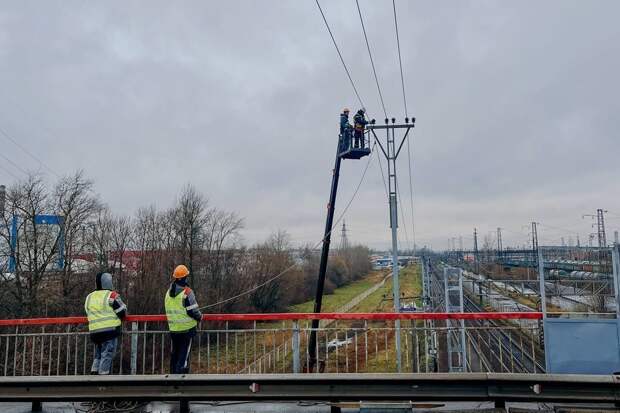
(335, 343)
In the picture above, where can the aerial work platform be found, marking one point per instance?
(348, 149)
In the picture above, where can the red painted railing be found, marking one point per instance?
(294, 316)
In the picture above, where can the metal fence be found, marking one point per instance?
(263, 344)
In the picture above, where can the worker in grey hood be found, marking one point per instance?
(105, 311)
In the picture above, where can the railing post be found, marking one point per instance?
(134, 347)
(296, 352)
(615, 263)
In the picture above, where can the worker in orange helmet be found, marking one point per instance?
(183, 317)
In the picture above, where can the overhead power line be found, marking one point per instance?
(289, 268)
(402, 81)
(27, 152)
(411, 192)
(400, 60)
(9, 172)
(19, 168)
(372, 62)
(346, 69)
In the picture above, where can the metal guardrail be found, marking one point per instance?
(274, 343)
(499, 388)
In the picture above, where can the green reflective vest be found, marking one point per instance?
(101, 315)
(178, 320)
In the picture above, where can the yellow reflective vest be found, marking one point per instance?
(178, 320)
(101, 315)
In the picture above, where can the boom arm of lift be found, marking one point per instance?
(347, 153)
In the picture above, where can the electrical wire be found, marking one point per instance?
(346, 69)
(400, 61)
(558, 228)
(411, 193)
(8, 171)
(402, 215)
(27, 152)
(372, 62)
(402, 81)
(286, 270)
(110, 406)
(387, 195)
(19, 168)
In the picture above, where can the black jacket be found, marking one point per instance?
(360, 120)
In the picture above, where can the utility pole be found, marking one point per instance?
(2, 199)
(476, 248)
(500, 247)
(616, 238)
(600, 224)
(391, 153)
(535, 242)
(600, 232)
(344, 241)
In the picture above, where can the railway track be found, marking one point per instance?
(507, 347)
(498, 346)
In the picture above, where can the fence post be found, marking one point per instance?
(615, 263)
(296, 353)
(134, 347)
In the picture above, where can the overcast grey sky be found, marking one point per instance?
(516, 103)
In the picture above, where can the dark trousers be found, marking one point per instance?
(180, 348)
(345, 143)
(359, 139)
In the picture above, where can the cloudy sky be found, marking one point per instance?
(516, 103)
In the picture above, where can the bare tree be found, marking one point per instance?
(221, 232)
(35, 247)
(77, 203)
(190, 215)
(100, 238)
(270, 259)
(120, 240)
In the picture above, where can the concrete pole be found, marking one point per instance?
(541, 277)
(395, 280)
(391, 155)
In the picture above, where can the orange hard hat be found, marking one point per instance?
(180, 271)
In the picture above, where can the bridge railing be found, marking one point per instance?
(278, 343)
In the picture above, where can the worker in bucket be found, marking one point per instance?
(359, 122)
(345, 129)
(105, 311)
(183, 316)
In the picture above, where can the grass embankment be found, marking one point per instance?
(244, 346)
(381, 300)
(342, 295)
